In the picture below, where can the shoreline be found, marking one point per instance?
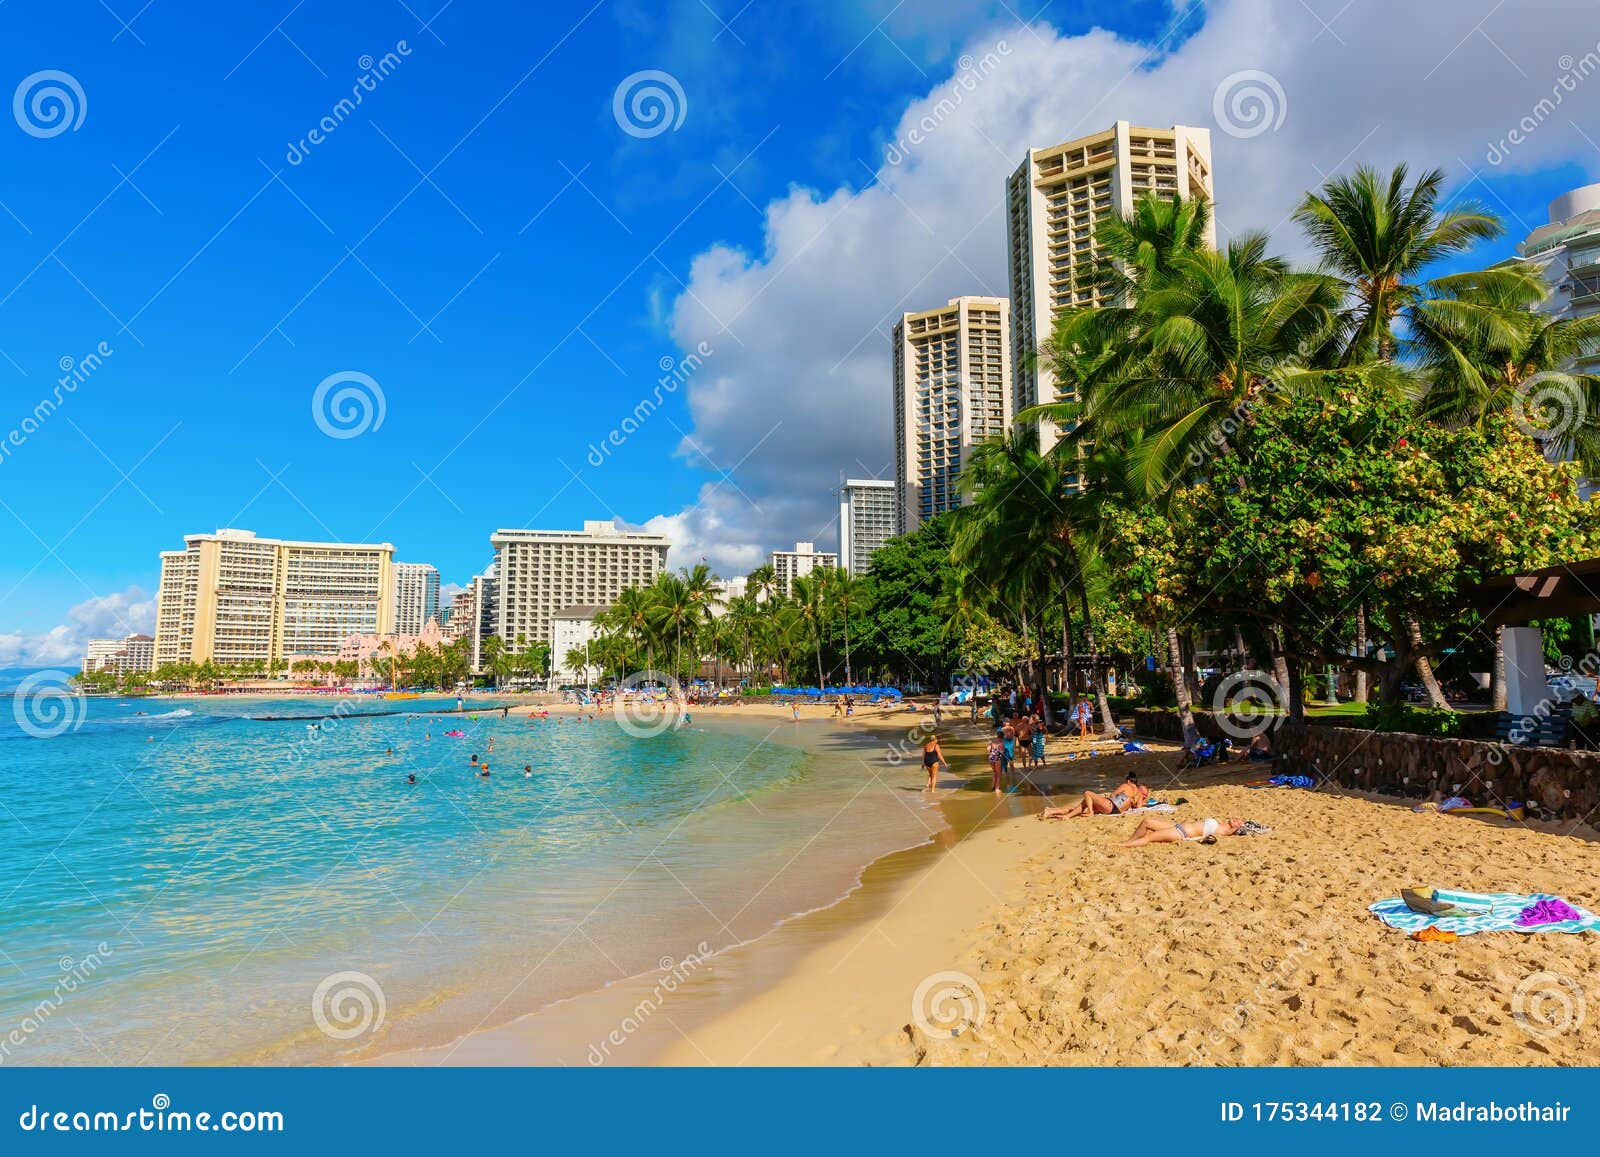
(975, 843)
(1259, 950)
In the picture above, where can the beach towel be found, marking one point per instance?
(1503, 915)
(1149, 807)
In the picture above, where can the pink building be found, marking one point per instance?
(363, 649)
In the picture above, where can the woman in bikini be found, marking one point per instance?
(1154, 830)
(1129, 794)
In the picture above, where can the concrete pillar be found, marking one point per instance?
(1525, 681)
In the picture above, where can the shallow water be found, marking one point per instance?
(179, 887)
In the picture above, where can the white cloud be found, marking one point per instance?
(803, 380)
(129, 612)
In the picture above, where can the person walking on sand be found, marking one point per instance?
(1038, 745)
(932, 757)
(997, 761)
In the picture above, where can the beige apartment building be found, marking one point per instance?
(1053, 201)
(540, 572)
(952, 390)
(231, 597)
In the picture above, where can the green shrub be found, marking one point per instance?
(1411, 720)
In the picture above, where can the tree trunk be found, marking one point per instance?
(1361, 652)
(1297, 694)
(1241, 652)
(1097, 672)
(1041, 678)
(1497, 676)
(1180, 688)
(849, 680)
(1191, 670)
(1425, 668)
(1280, 665)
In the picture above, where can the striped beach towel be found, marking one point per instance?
(1497, 912)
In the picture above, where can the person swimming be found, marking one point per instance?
(412, 778)
(527, 771)
(483, 771)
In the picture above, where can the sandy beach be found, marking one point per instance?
(1257, 950)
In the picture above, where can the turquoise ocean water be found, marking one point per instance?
(179, 886)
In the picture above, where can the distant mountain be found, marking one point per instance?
(10, 677)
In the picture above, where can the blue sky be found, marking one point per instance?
(483, 240)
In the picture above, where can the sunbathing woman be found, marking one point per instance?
(1154, 830)
(1130, 793)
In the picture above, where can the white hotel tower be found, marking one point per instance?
(869, 515)
(1053, 201)
(1566, 252)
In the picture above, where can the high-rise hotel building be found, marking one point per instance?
(1566, 253)
(231, 597)
(788, 565)
(416, 596)
(869, 514)
(952, 390)
(540, 572)
(1053, 202)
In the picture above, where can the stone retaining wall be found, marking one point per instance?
(1563, 783)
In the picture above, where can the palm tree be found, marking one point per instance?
(1377, 234)
(630, 613)
(673, 606)
(1484, 350)
(812, 598)
(743, 618)
(762, 583)
(848, 592)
